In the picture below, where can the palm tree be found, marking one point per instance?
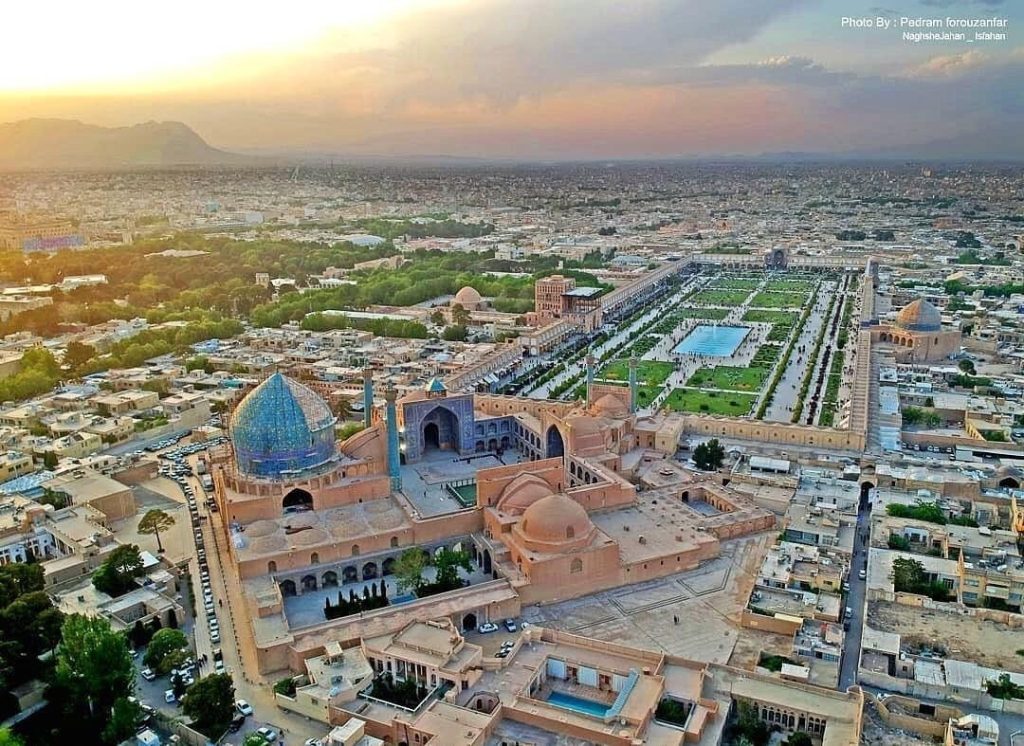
(154, 522)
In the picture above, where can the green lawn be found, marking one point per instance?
(736, 283)
(766, 355)
(729, 377)
(648, 372)
(779, 300)
(708, 314)
(727, 298)
(780, 318)
(792, 286)
(710, 402)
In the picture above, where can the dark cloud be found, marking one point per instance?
(505, 49)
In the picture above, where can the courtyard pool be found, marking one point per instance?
(718, 341)
(578, 704)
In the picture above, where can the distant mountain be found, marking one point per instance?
(69, 144)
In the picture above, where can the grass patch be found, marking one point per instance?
(730, 404)
(736, 283)
(779, 300)
(791, 286)
(729, 377)
(779, 318)
(727, 298)
(708, 314)
(648, 372)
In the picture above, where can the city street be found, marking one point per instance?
(856, 598)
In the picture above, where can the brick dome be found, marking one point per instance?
(919, 316)
(556, 523)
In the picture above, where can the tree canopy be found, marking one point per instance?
(94, 673)
(162, 647)
(116, 576)
(709, 455)
(210, 703)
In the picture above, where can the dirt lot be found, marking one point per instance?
(877, 733)
(962, 637)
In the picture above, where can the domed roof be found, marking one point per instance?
(282, 428)
(611, 406)
(919, 316)
(522, 492)
(468, 296)
(556, 522)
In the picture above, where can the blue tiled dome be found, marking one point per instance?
(282, 429)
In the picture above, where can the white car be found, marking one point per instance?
(269, 734)
(487, 628)
(169, 697)
(243, 707)
(147, 674)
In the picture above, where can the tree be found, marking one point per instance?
(437, 318)
(709, 455)
(799, 738)
(254, 739)
(7, 738)
(210, 703)
(409, 569)
(77, 354)
(161, 646)
(342, 407)
(50, 460)
(456, 333)
(750, 725)
(448, 561)
(116, 576)
(124, 720)
(155, 521)
(967, 366)
(460, 316)
(94, 670)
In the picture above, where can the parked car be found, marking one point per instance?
(243, 707)
(169, 697)
(510, 625)
(863, 574)
(487, 628)
(269, 734)
(147, 674)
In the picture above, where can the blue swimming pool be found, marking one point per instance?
(718, 341)
(578, 704)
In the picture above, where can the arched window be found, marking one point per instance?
(576, 566)
(570, 532)
(271, 566)
(314, 558)
(394, 542)
(355, 549)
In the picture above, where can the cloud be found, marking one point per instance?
(950, 65)
(951, 3)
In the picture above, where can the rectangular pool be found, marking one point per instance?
(717, 341)
(578, 704)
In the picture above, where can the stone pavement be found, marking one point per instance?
(691, 614)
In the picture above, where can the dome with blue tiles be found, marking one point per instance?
(282, 429)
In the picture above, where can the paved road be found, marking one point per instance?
(855, 600)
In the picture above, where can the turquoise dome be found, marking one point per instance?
(282, 429)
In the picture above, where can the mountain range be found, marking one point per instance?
(32, 144)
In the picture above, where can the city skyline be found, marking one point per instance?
(537, 81)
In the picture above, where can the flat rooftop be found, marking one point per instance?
(664, 526)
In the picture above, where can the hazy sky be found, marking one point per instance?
(518, 78)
